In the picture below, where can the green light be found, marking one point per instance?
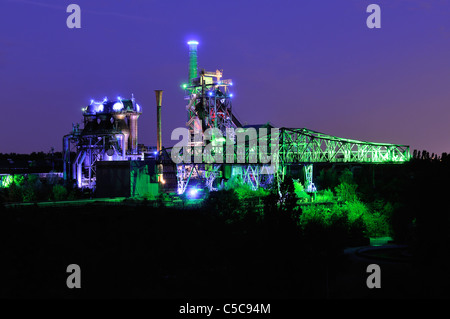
(6, 181)
(184, 86)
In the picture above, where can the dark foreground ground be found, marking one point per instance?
(146, 252)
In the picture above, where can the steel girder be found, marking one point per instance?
(307, 146)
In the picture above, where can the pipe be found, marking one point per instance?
(79, 168)
(74, 168)
(66, 157)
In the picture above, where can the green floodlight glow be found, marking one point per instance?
(6, 181)
(184, 86)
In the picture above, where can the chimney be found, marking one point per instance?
(192, 60)
(134, 132)
(158, 94)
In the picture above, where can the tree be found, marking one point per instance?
(288, 199)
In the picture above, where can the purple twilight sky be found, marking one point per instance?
(310, 63)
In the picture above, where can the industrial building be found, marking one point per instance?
(105, 154)
(106, 145)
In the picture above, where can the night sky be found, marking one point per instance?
(310, 63)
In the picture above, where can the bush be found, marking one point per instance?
(225, 203)
(31, 189)
(376, 223)
(15, 193)
(243, 190)
(330, 226)
(300, 191)
(19, 180)
(316, 214)
(28, 194)
(324, 196)
(346, 192)
(355, 209)
(59, 192)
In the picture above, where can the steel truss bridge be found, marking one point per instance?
(302, 146)
(307, 146)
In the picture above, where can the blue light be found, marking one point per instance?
(231, 95)
(210, 93)
(155, 153)
(231, 83)
(100, 108)
(193, 193)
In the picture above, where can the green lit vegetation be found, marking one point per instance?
(239, 243)
(342, 207)
(29, 188)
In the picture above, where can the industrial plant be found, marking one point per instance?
(104, 154)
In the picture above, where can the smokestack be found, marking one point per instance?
(158, 94)
(134, 132)
(192, 60)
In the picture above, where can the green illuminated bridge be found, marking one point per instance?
(295, 147)
(302, 146)
(307, 146)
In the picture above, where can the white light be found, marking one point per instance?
(100, 108)
(193, 193)
(118, 106)
(138, 108)
(231, 95)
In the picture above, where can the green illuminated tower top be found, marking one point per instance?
(192, 60)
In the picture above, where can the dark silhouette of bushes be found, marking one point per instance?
(225, 203)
